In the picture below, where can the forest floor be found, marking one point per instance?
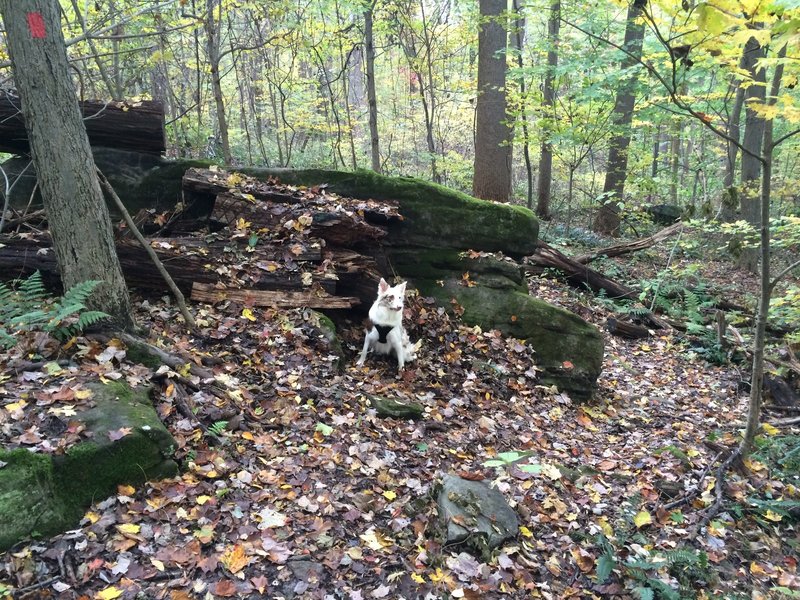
(307, 493)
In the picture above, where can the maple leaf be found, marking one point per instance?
(234, 558)
(118, 434)
(225, 588)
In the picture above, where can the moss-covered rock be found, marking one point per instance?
(433, 215)
(43, 495)
(569, 351)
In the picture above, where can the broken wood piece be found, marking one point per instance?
(313, 298)
(626, 329)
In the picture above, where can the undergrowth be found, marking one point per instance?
(29, 308)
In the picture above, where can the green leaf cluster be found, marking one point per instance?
(30, 308)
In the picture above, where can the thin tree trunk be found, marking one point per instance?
(372, 99)
(519, 36)
(213, 27)
(549, 102)
(76, 211)
(607, 219)
(759, 337)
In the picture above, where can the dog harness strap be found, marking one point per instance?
(383, 331)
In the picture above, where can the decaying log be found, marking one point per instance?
(337, 228)
(136, 126)
(579, 274)
(187, 261)
(633, 246)
(313, 298)
(626, 329)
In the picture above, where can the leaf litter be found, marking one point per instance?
(297, 489)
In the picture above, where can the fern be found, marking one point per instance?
(30, 308)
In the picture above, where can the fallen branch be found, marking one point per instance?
(633, 246)
(187, 316)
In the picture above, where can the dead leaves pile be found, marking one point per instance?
(300, 490)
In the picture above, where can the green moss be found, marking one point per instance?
(139, 353)
(27, 505)
(44, 494)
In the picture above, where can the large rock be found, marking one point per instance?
(43, 495)
(475, 515)
(494, 296)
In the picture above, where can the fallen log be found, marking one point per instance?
(187, 261)
(336, 228)
(136, 126)
(579, 274)
(634, 246)
(314, 298)
(626, 329)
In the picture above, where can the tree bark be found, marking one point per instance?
(212, 49)
(76, 211)
(519, 45)
(752, 142)
(492, 174)
(549, 102)
(607, 220)
(372, 98)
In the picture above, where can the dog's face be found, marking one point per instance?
(391, 298)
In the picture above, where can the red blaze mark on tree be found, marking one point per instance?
(36, 25)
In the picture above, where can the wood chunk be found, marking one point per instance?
(280, 299)
(626, 329)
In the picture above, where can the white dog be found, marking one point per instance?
(387, 333)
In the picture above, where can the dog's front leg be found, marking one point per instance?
(396, 341)
(367, 343)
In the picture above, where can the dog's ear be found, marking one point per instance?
(382, 286)
(401, 289)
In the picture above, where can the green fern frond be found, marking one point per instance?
(90, 317)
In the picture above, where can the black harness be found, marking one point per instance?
(383, 331)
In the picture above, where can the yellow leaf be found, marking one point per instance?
(525, 531)
(203, 499)
(125, 490)
(642, 518)
(551, 472)
(417, 578)
(773, 516)
(15, 406)
(606, 528)
(108, 594)
(375, 540)
(248, 314)
(157, 564)
(389, 495)
(234, 558)
(128, 529)
(355, 552)
(83, 394)
(437, 576)
(92, 517)
(769, 429)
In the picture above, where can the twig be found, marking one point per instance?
(171, 360)
(714, 509)
(29, 588)
(789, 421)
(187, 316)
(692, 494)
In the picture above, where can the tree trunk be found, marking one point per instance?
(549, 102)
(759, 337)
(607, 219)
(753, 137)
(519, 44)
(492, 175)
(212, 49)
(73, 200)
(372, 98)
